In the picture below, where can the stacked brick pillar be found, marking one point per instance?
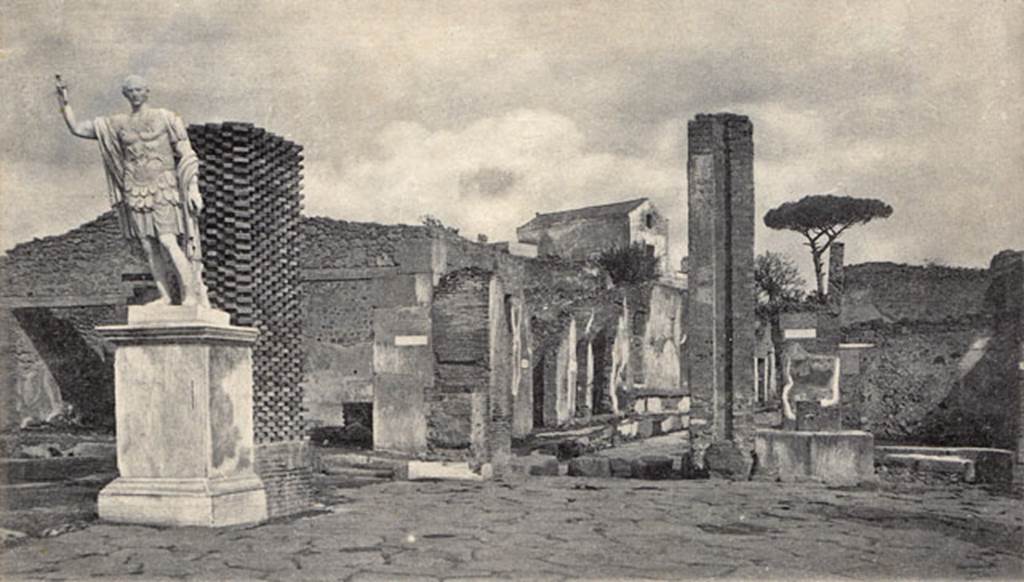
(251, 185)
(720, 344)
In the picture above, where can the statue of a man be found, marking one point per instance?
(153, 184)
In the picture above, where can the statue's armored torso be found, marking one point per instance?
(149, 176)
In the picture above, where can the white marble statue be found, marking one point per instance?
(153, 184)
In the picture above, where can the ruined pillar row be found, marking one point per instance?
(720, 340)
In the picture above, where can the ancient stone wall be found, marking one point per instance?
(905, 388)
(458, 403)
(578, 239)
(942, 379)
(598, 348)
(659, 349)
(85, 262)
(893, 292)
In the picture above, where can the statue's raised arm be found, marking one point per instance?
(81, 129)
(152, 177)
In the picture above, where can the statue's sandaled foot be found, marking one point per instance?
(161, 302)
(189, 301)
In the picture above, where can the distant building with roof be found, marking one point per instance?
(582, 233)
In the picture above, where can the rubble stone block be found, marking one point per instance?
(590, 467)
(537, 465)
(653, 467)
(628, 429)
(670, 424)
(683, 405)
(726, 460)
(620, 467)
(645, 428)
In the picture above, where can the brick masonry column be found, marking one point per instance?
(720, 342)
(251, 182)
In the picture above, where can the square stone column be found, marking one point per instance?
(721, 321)
(183, 403)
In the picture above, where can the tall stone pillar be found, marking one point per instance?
(720, 340)
(1006, 305)
(183, 403)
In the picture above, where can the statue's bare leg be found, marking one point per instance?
(182, 267)
(156, 267)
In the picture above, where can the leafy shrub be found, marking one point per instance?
(633, 264)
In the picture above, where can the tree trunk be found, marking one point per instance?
(819, 273)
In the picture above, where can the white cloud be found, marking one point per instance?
(419, 172)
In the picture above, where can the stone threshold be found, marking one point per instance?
(973, 464)
(387, 465)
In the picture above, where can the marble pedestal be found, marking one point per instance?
(183, 401)
(845, 457)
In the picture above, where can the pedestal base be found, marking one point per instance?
(840, 458)
(183, 400)
(178, 502)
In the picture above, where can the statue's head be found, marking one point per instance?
(135, 90)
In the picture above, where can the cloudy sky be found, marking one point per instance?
(483, 113)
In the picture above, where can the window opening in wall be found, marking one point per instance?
(356, 433)
(649, 220)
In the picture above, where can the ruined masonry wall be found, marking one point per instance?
(912, 292)
(942, 379)
(457, 404)
(85, 261)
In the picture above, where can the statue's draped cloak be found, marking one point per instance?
(186, 170)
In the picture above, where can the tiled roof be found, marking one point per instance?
(550, 218)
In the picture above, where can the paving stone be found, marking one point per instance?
(561, 528)
(590, 467)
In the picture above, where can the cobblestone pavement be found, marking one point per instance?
(562, 528)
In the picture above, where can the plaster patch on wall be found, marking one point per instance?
(410, 340)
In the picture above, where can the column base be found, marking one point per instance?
(183, 502)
